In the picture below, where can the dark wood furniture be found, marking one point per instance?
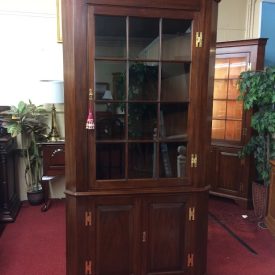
(136, 192)
(53, 154)
(9, 199)
(231, 176)
(270, 218)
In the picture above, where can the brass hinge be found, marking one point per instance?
(88, 267)
(198, 39)
(249, 66)
(190, 260)
(91, 94)
(88, 218)
(191, 213)
(194, 160)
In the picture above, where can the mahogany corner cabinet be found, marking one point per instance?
(138, 80)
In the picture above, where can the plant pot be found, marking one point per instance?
(35, 197)
(259, 197)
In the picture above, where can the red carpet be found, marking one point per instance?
(35, 243)
(226, 255)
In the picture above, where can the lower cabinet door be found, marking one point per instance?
(138, 234)
(230, 174)
(165, 230)
(117, 226)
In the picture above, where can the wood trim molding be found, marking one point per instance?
(250, 18)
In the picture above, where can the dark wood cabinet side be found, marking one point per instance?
(9, 198)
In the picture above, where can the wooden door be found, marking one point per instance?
(165, 235)
(142, 72)
(230, 173)
(116, 237)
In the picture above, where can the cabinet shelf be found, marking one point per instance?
(226, 118)
(226, 79)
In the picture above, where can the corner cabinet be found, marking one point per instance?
(231, 176)
(137, 79)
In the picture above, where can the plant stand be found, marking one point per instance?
(259, 197)
(270, 218)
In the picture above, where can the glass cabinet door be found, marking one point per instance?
(227, 117)
(142, 71)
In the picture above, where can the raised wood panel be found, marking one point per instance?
(166, 237)
(229, 178)
(115, 237)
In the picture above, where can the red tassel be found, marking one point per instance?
(90, 124)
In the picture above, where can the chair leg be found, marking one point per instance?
(47, 200)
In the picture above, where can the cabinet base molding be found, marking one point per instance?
(270, 223)
(111, 192)
(242, 202)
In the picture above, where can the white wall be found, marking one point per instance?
(232, 20)
(29, 52)
(28, 49)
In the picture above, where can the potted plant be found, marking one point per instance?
(257, 91)
(28, 121)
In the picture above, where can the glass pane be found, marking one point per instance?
(144, 38)
(237, 65)
(110, 79)
(221, 68)
(175, 82)
(173, 121)
(233, 130)
(234, 110)
(107, 106)
(176, 39)
(110, 124)
(143, 82)
(140, 160)
(220, 89)
(218, 129)
(219, 109)
(142, 120)
(233, 90)
(172, 160)
(110, 161)
(110, 36)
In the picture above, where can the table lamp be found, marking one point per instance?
(53, 93)
(108, 96)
